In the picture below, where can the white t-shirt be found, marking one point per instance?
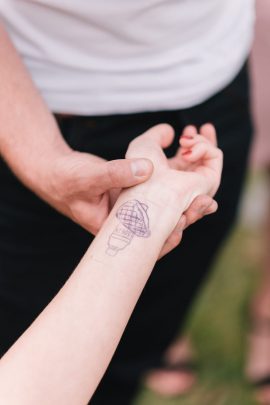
(118, 56)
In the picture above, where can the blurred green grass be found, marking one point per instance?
(218, 327)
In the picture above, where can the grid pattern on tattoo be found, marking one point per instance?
(132, 221)
(131, 217)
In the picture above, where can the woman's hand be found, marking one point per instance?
(198, 160)
(192, 176)
(200, 154)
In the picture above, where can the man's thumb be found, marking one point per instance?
(124, 173)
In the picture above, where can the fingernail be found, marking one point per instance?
(187, 152)
(141, 168)
(187, 136)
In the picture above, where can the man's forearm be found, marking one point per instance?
(64, 354)
(29, 136)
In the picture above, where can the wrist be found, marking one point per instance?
(171, 197)
(164, 210)
(136, 228)
(40, 173)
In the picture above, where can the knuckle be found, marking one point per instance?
(66, 178)
(119, 173)
(113, 172)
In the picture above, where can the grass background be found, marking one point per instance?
(218, 323)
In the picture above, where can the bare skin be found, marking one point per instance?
(79, 185)
(61, 358)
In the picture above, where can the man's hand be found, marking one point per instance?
(79, 185)
(76, 184)
(84, 188)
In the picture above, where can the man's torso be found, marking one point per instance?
(119, 56)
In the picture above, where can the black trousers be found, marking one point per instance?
(39, 248)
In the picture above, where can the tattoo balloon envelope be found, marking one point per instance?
(134, 220)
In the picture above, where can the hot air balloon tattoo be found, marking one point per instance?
(134, 221)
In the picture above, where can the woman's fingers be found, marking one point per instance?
(189, 140)
(209, 132)
(190, 130)
(200, 151)
(204, 155)
(196, 148)
(209, 161)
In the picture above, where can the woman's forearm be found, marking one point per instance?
(61, 358)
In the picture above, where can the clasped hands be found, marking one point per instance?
(84, 187)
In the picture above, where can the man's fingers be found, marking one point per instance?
(175, 237)
(212, 208)
(201, 206)
(122, 173)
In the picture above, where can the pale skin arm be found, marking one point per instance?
(61, 358)
(33, 147)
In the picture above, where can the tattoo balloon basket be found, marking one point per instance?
(134, 221)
